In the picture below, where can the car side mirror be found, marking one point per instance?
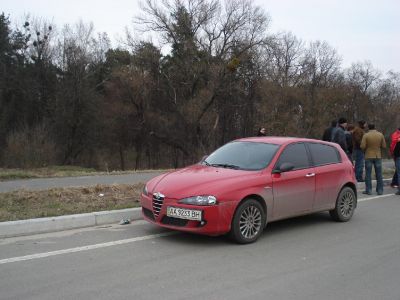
(284, 167)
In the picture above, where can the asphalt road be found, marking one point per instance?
(46, 183)
(308, 257)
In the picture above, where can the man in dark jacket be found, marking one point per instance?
(349, 141)
(327, 136)
(339, 136)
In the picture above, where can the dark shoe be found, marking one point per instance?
(367, 193)
(397, 193)
(394, 186)
(380, 194)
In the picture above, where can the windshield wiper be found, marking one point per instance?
(226, 166)
(206, 163)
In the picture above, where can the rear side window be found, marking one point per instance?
(295, 154)
(323, 154)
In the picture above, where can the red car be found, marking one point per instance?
(249, 182)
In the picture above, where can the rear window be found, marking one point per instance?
(323, 154)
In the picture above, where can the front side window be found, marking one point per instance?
(295, 154)
(242, 155)
(323, 154)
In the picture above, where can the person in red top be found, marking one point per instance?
(395, 152)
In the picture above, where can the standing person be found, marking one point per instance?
(262, 131)
(358, 133)
(395, 179)
(372, 144)
(339, 136)
(327, 136)
(349, 141)
(395, 152)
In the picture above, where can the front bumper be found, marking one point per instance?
(216, 219)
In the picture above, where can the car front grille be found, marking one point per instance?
(157, 204)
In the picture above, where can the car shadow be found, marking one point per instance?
(299, 224)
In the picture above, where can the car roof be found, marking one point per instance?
(280, 140)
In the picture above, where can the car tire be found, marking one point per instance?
(248, 222)
(346, 203)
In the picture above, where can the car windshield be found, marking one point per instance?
(242, 155)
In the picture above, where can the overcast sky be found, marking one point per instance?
(358, 29)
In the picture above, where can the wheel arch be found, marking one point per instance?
(352, 186)
(259, 199)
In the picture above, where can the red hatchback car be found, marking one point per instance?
(249, 182)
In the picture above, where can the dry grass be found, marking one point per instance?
(53, 171)
(386, 173)
(24, 204)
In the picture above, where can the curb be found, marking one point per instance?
(52, 224)
(361, 185)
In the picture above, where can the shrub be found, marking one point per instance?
(30, 148)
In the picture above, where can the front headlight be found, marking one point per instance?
(200, 200)
(145, 191)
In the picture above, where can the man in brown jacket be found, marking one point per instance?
(372, 144)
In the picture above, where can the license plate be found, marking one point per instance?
(182, 213)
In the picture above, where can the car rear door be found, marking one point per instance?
(329, 171)
(293, 190)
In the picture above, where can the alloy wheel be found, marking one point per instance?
(250, 222)
(346, 205)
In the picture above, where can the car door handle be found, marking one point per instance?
(310, 175)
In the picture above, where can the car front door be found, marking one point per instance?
(293, 190)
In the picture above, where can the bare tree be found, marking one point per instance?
(320, 70)
(385, 102)
(362, 76)
(208, 40)
(282, 59)
(76, 106)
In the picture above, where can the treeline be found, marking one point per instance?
(68, 97)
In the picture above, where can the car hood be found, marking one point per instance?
(199, 180)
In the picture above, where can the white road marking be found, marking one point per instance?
(376, 197)
(84, 248)
(70, 232)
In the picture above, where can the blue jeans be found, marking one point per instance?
(377, 163)
(359, 163)
(397, 163)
